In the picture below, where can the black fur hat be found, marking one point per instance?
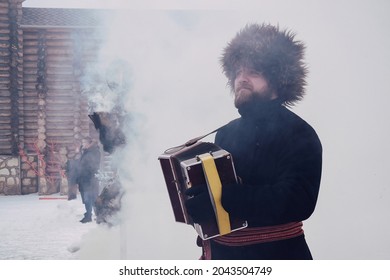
(273, 52)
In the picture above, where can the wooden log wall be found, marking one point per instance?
(11, 85)
(11, 95)
(56, 112)
(44, 113)
(5, 94)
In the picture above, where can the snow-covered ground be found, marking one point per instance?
(49, 229)
(32, 228)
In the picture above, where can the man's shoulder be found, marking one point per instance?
(227, 129)
(295, 119)
(231, 124)
(94, 149)
(297, 125)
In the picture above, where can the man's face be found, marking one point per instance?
(250, 85)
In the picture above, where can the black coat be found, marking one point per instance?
(278, 157)
(71, 168)
(88, 167)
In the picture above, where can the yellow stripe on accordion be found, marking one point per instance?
(215, 187)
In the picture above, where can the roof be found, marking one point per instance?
(55, 17)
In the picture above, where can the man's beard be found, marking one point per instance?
(247, 97)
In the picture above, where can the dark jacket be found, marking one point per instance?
(88, 167)
(278, 157)
(71, 168)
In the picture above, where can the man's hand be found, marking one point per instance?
(199, 205)
(234, 200)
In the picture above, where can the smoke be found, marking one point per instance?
(173, 93)
(178, 92)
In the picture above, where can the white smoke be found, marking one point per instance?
(175, 94)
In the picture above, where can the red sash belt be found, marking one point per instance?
(255, 235)
(249, 236)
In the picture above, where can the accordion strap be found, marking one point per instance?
(196, 139)
(191, 141)
(215, 190)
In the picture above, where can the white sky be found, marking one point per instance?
(175, 63)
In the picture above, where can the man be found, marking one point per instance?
(71, 168)
(277, 155)
(88, 183)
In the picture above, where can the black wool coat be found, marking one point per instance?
(278, 157)
(88, 167)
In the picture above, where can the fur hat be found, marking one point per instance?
(272, 52)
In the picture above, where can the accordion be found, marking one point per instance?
(201, 163)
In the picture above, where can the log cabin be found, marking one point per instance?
(44, 53)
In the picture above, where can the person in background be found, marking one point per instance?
(88, 183)
(71, 169)
(277, 155)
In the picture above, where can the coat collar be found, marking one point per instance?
(261, 110)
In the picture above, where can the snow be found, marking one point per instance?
(31, 228)
(35, 229)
